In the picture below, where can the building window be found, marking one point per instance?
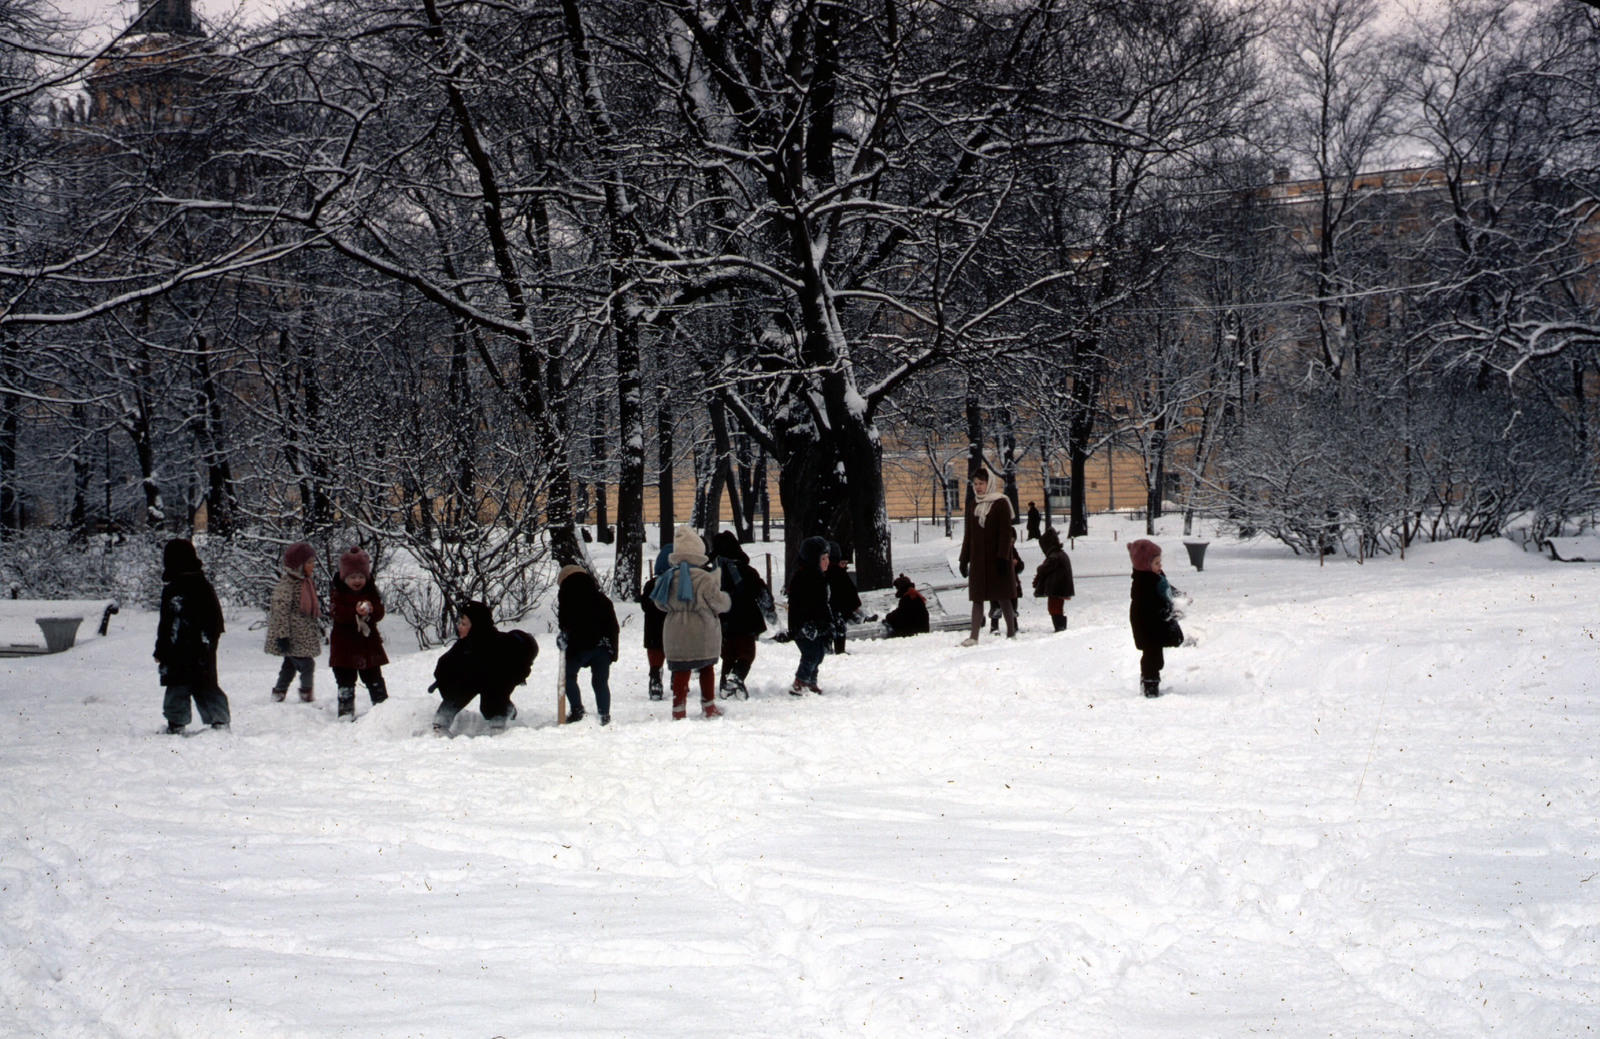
(1059, 490)
(952, 495)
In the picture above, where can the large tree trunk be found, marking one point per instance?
(667, 506)
(10, 412)
(221, 499)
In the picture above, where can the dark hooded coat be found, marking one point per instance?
(191, 620)
(1053, 578)
(986, 552)
(585, 613)
(810, 614)
(752, 599)
(488, 662)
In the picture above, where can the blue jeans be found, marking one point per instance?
(811, 654)
(598, 661)
(212, 702)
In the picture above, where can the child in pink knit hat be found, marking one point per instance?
(355, 647)
(1151, 614)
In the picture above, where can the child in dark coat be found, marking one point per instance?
(485, 662)
(843, 598)
(910, 617)
(1151, 613)
(589, 636)
(746, 619)
(186, 640)
(1052, 582)
(355, 649)
(811, 618)
(654, 617)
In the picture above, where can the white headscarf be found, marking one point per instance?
(980, 508)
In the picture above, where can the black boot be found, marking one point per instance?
(656, 690)
(1059, 620)
(379, 691)
(347, 702)
(1152, 688)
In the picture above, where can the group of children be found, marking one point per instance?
(697, 611)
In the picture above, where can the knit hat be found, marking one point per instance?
(568, 570)
(812, 549)
(355, 561)
(178, 557)
(902, 585)
(297, 554)
(481, 617)
(687, 547)
(1143, 552)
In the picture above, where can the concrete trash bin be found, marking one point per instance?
(1197, 553)
(59, 632)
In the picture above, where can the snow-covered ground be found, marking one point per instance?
(1367, 807)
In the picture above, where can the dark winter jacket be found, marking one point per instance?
(843, 598)
(190, 625)
(986, 554)
(910, 617)
(653, 615)
(348, 645)
(810, 615)
(1033, 522)
(1150, 612)
(585, 614)
(752, 600)
(486, 661)
(1053, 579)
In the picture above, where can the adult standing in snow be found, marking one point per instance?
(1151, 613)
(811, 619)
(986, 553)
(843, 599)
(484, 662)
(1052, 582)
(186, 640)
(747, 617)
(294, 621)
(589, 634)
(910, 616)
(354, 646)
(1033, 522)
(692, 597)
(653, 615)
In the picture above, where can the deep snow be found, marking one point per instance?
(1367, 807)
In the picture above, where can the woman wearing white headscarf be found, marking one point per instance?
(986, 553)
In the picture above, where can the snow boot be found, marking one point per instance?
(379, 691)
(709, 709)
(739, 688)
(605, 719)
(1152, 687)
(798, 689)
(347, 702)
(307, 695)
(498, 725)
(813, 687)
(443, 717)
(656, 690)
(174, 729)
(680, 705)
(574, 714)
(279, 694)
(221, 727)
(1059, 621)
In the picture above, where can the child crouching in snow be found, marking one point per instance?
(186, 640)
(1151, 613)
(294, 622)
(355, 647)
(691, 635)
(485, 662)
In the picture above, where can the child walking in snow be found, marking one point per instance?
(692, 598)
(843, 599)
(1052, 582)
(655, 656)
(355, 648)
(186, 640)
(746, 619)
(588, 625)
(1151, 613)
(811, 619)
(484, 662)
(294, 625)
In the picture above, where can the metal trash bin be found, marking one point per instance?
(1197, 553)
(60, 633)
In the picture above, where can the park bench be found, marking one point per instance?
(1584, 549)
(57, 620)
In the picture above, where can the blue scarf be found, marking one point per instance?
(663, 589)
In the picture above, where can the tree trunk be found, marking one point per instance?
(10, 422)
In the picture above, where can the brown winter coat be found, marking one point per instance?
(692, 631)
(285, 621)
(347, 646)
(986, 551)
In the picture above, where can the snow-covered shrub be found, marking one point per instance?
(59, 564)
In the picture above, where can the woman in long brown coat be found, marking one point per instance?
(986, 547)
